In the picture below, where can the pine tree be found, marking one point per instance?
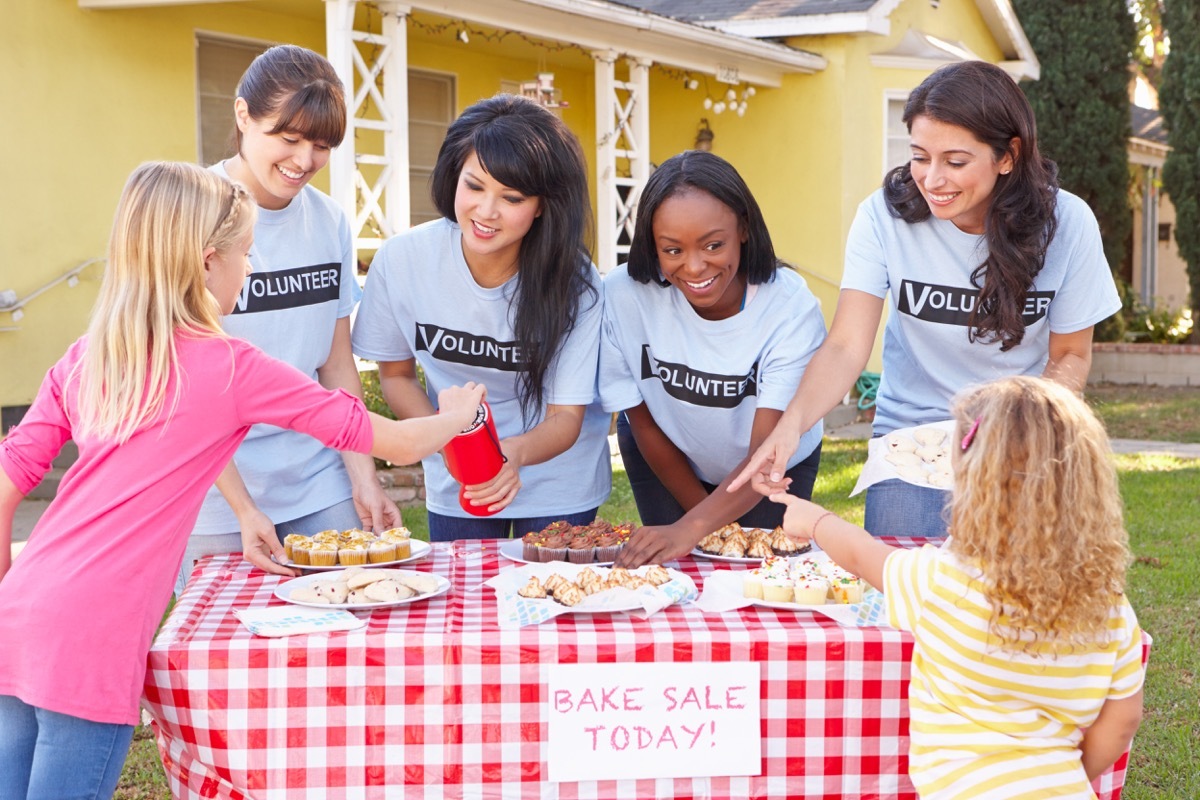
(1081, 102)
(1179, 101)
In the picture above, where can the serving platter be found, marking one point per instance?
(513, 550)
(753, 560)
(284, 590)
(420, 549)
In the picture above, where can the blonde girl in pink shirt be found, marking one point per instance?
(157, 399)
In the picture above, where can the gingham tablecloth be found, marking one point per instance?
(435, 700)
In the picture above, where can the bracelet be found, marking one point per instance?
(813, 534)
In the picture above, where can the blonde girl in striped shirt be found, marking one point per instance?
(1027, 671)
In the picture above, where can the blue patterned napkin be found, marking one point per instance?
(290, 620)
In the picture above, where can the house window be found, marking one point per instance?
(1164, 231)
(896, 149)
(430, 112)
(219, 66)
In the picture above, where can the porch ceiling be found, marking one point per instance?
(591, 24)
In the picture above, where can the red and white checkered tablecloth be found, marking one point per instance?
(435, 700)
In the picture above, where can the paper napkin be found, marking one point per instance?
(290, 620)
(723, 592)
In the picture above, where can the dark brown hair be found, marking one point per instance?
(1020, 222)
(300, 86)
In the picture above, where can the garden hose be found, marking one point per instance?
(867, 386)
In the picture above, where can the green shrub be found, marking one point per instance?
(1159, 325)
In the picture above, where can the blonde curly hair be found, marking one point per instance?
(1036, 506)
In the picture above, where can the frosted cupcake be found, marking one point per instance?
(402, 538)
(289, 542)
(554, 548)
(846, 588)
(752, 584)
(301, 548)
(381, 551)
(810, 590)
(353, 554)
(581, 549)
(608, 546)
(323, 554)
(777, 590)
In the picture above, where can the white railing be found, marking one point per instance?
(10, 303)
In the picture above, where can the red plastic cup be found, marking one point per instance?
(473, 456)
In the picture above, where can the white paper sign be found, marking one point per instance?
(616, 721)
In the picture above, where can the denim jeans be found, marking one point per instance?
(341, 517)
(899, 508)
(657, 506)
(446, 529)
(45, 755)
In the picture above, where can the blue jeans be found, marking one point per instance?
(341, 517)
(899, 508)
(45, 755)
(446, 529)
(657, 506)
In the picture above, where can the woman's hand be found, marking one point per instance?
(259, 542)
(498, 493)
(656, 544)
(768, 465)
(377, 511)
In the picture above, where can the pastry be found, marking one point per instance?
(777, 590)
(381, 551)
(657, 574)
(711, 544)
(733, 548)
(388, 591)
(533, 589)
(360, 579)
(322, 554)
(333, 591)
(420, 582)
(752, 584)
(903, 459)
(929, 437)
(759, 547)
(568, 594)
(358, 597)
(897, 443)
(810, 590)
(929, 453)
(306, 594)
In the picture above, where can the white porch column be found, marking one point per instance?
(639, 156)
(377, 202)
(339, 24)
(606, 162)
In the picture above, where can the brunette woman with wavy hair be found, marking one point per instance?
(501, 289)
(990, 269)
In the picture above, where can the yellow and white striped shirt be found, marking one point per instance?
(992, 723)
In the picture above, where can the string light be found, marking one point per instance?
(732, 99)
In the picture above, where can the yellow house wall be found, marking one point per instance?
(98, 93)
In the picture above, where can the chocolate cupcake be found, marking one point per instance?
(608, 546)
(531, 546)
(554, 548)
(581, 549)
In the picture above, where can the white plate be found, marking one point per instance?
(420, 549)
(284, 590)
(696, 551)
(731, 581)
(512, 549)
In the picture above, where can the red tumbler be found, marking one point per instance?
(473, 456)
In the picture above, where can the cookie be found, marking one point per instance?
(899, 444)
(388, 591)
(367, 576)
(306, 594)
(333, 591)
(420, 583)
(929, 437)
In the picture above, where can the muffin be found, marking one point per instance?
(381, 551)
(777, 590)
(353, 553)
(323, 554)
(289, 541)
(752, 584)
(810, 590)
(300, 550)
(608, 546)
(846, 588)
(402, 538)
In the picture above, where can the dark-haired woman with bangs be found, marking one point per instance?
(706, 334)
(290, 112)
(500, 289)
(991, 271)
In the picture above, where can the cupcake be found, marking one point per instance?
(608, 546)
(846, 589)
(402, 538)
(777, 590)
(289, 541)
(323, 554)
(752, 584)
(581, 548)
(554, 548)
(381, 551)
(531, 546)
(810, 590)
(353, 553)
(300, 550)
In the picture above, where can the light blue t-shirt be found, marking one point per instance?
(924, 269)
(420, 301)
(304, 265)
(702, 380)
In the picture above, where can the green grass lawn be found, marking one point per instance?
(1162, 503)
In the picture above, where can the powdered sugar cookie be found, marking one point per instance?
(367, 576)
(928, 453)
(929, 437)
(358, 597)
(333, 591)
(306, 594)
(942, 480)
(897, 443)
(912, 472)
(903, 459)
(387, 591)
(420, 583)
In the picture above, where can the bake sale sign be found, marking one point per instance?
(619, 721)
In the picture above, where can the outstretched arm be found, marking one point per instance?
(10, 497)
(850, 546)
(407, 441)
(827, 378)
(376, 510)
(1070, 359)
(259, 539)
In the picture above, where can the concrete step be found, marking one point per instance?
(49, 485)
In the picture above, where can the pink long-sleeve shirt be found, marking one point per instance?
(79, 607)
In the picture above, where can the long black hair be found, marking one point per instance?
(698, 169)
(1020, 222)
(525, 147)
